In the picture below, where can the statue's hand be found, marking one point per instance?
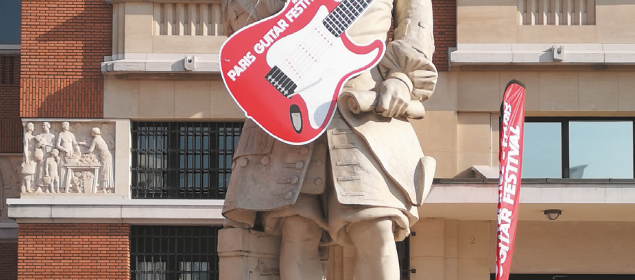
(394, 97)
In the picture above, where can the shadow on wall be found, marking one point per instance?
(62, 98)
(61, 73)
(10, 178)
(11, 135)
(80, 35)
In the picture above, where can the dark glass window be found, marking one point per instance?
(578, 148)
(10, 22)
(173, 253)
(182, 159)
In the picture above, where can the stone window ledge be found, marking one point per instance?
(579, 203)
(622, 54)
(114, 209)
(9, 49)
(161, 63)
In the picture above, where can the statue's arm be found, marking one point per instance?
(92, 145)
(58, 143)
(75, 144)
(407, 64)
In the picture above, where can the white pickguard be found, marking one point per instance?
(316, 61)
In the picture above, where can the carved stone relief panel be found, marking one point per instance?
(68, 157)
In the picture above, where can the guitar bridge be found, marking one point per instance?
(281, 81)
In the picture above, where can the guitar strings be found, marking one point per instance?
(301, 54)
(318, 45)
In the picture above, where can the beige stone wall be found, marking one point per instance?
(461, 125)
(167, 99)
(573, 247)
(450, 249)
(458, 249)
(615, 21)
(135, 31)
(565, 93)
(496, 21)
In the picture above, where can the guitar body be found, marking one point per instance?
(287, 71)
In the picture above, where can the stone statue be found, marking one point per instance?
(360, 183)
(109, 138)
(66, 142)
(68, 147)
(51, 178)
(54, 162)
(29, 165)
(99, 146)
(45, 142)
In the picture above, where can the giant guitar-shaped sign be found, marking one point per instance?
(286, 71)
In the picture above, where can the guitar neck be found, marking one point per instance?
(344, 15)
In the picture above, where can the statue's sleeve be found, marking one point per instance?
(240, 13)
(409, 55)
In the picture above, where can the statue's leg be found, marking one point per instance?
(299, 257)
(376, 257)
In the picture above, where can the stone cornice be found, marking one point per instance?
(473, 54)
(114, 209)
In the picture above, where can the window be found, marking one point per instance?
(173, 253)
(578, 148)
(556, 12)
(182, 159)
(9, 22)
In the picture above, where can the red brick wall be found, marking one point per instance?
(8, 261)
(63, 43)
(10, 126)
(444, 31)
(73, 251)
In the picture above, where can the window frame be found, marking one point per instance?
(169, 247)
(9, 48)
(166, 152)
(564, 141)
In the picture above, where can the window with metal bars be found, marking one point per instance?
(190, 253)
(173, 253)
(182, 159)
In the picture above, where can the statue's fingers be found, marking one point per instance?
(383, 104)
(395, 105)
(394, 108)
(402, 110)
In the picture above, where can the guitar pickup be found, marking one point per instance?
(281, 82)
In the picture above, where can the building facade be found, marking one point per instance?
(135, 187)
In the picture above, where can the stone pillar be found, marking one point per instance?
(248, 255)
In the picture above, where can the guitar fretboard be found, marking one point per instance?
(344, 15)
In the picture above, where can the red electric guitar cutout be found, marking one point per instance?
(286, 71)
